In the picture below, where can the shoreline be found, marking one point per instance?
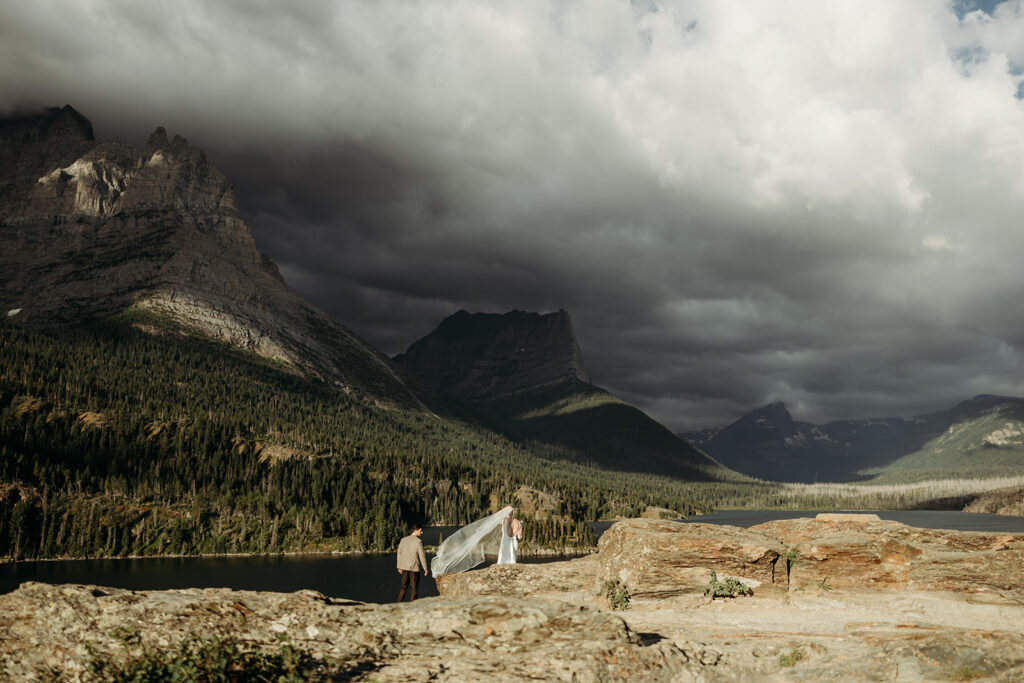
(564, 551)
(540, 552)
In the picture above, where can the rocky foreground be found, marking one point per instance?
(836, 598)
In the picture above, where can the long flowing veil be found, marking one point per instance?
(466, 548)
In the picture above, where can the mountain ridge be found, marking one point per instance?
(875, 448)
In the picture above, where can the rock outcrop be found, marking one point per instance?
(94, 228)
(899, 603)
(46, 629)
(662, 558)
(1008, 502)
(876, 554)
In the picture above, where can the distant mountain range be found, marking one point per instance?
(983, 436)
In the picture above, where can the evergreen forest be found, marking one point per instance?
(119, 442)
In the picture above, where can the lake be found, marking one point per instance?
(373, 577)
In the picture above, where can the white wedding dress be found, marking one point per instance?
(509, 545)
(468, 546)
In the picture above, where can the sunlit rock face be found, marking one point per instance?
(882, 555)
(661, 558)
(93, 228)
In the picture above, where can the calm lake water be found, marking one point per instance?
(373, 578)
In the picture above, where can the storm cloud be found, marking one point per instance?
(738, 202)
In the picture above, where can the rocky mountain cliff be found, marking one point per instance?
(96, 228)
(983, 436)
(490, 360)
(525, 371)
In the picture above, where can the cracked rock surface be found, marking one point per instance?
(46, 628)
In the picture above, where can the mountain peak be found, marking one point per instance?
(67, 122)
(772, 420)
(525, 370)
(33, 143)
(157, 140)
(483, 357)
(48, 124)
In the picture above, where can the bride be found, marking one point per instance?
(497, 534)
(511, 532)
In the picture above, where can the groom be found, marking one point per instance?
(410, 558)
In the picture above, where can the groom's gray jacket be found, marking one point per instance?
(410, 554)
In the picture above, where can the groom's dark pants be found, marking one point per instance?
(410, 580)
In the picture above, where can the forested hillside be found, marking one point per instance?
(114, 441)
(985, 438)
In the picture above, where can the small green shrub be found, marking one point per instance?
(965, 673)
(790, 561)
(790, 659)
(824, 585)
(729, 588)
(617, 594)
(210, 659)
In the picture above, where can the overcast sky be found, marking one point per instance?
(738, 202)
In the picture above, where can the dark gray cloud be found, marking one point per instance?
(737, 202)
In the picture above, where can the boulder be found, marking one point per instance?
(1008, 501)
(661, 558)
